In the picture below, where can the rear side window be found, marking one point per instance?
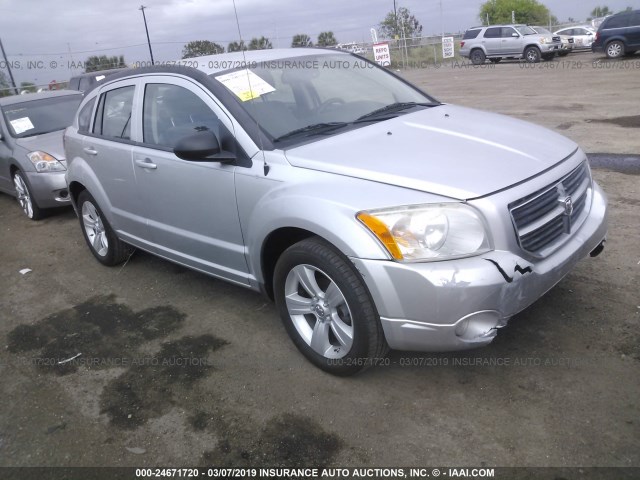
(113, 118)
(84, 117)
(469, 34)
(635, 20)
(494, 32)
(617, 21)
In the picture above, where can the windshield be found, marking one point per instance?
(525, 30)
(40, 116)
(319, 95)
(541, 30)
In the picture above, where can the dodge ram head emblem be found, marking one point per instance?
(568, 205)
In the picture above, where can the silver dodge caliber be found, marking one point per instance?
(375, 216)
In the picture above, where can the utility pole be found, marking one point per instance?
(6, 62)
(142, 7)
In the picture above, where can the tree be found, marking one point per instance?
(200, 48)
(403, 25)
(102, 62)
(261, 43)
(236, 46)
(5, 89)
(28, 86)
(301, 40)
(600, 12)
(526, 11)
(327, 39)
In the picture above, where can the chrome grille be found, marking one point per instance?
(546, 217)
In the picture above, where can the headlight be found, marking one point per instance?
(428, 232)
(45, 162)
(543, 40)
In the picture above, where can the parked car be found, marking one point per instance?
(32, 161)
(566, 42)
(374, 215)
(508, 41)
(618, 34)
(582, 36)
(86, 81)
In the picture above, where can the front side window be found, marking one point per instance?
(172, 112)
(37, 117)
(508, 32)
(113, 118)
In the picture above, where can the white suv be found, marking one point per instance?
(508, 41)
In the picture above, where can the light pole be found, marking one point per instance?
(142, 7)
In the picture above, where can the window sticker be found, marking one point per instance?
(100, 77)
(21, 125)
(245, 84)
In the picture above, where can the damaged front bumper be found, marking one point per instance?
(460, 304)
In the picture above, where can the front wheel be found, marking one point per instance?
(326, 308)
(25, 198)
(100, 237)
(532, 55)
(615, 49)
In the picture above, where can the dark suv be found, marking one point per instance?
(86, 81)
(618, 35)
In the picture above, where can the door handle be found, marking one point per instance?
(90, 150)
(146, 163)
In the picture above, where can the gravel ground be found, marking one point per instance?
(558, 387)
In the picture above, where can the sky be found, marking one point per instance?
(44, 40)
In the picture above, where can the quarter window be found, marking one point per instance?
(172, 113)
(84, 117)
(469, 34)
(113, 118)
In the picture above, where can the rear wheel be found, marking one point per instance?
(478, 57)
(25, 198)
(100, 237)
(326, 308)
(615, 49)
(532, 54)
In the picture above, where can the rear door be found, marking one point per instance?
(633, 31)
(492, 40)
(190, 206)
(108, 149)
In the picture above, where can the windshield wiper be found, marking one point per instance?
(394, 107)
(316, 128)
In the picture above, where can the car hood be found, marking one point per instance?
(447, 150)
(50, 143)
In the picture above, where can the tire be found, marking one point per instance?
(326, 308)
(614, 49)
(532, 54)
(478, 57)
(25, 197)
(495, 60)
(548, 57)
(100, 237)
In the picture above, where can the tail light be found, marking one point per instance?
(597, 36)
(461, 44)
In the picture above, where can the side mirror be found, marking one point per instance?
(202, 146)
(589, 33)
(514, 34)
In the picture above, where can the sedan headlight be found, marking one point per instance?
(45, 162)
(429, 232)
(543, 40)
